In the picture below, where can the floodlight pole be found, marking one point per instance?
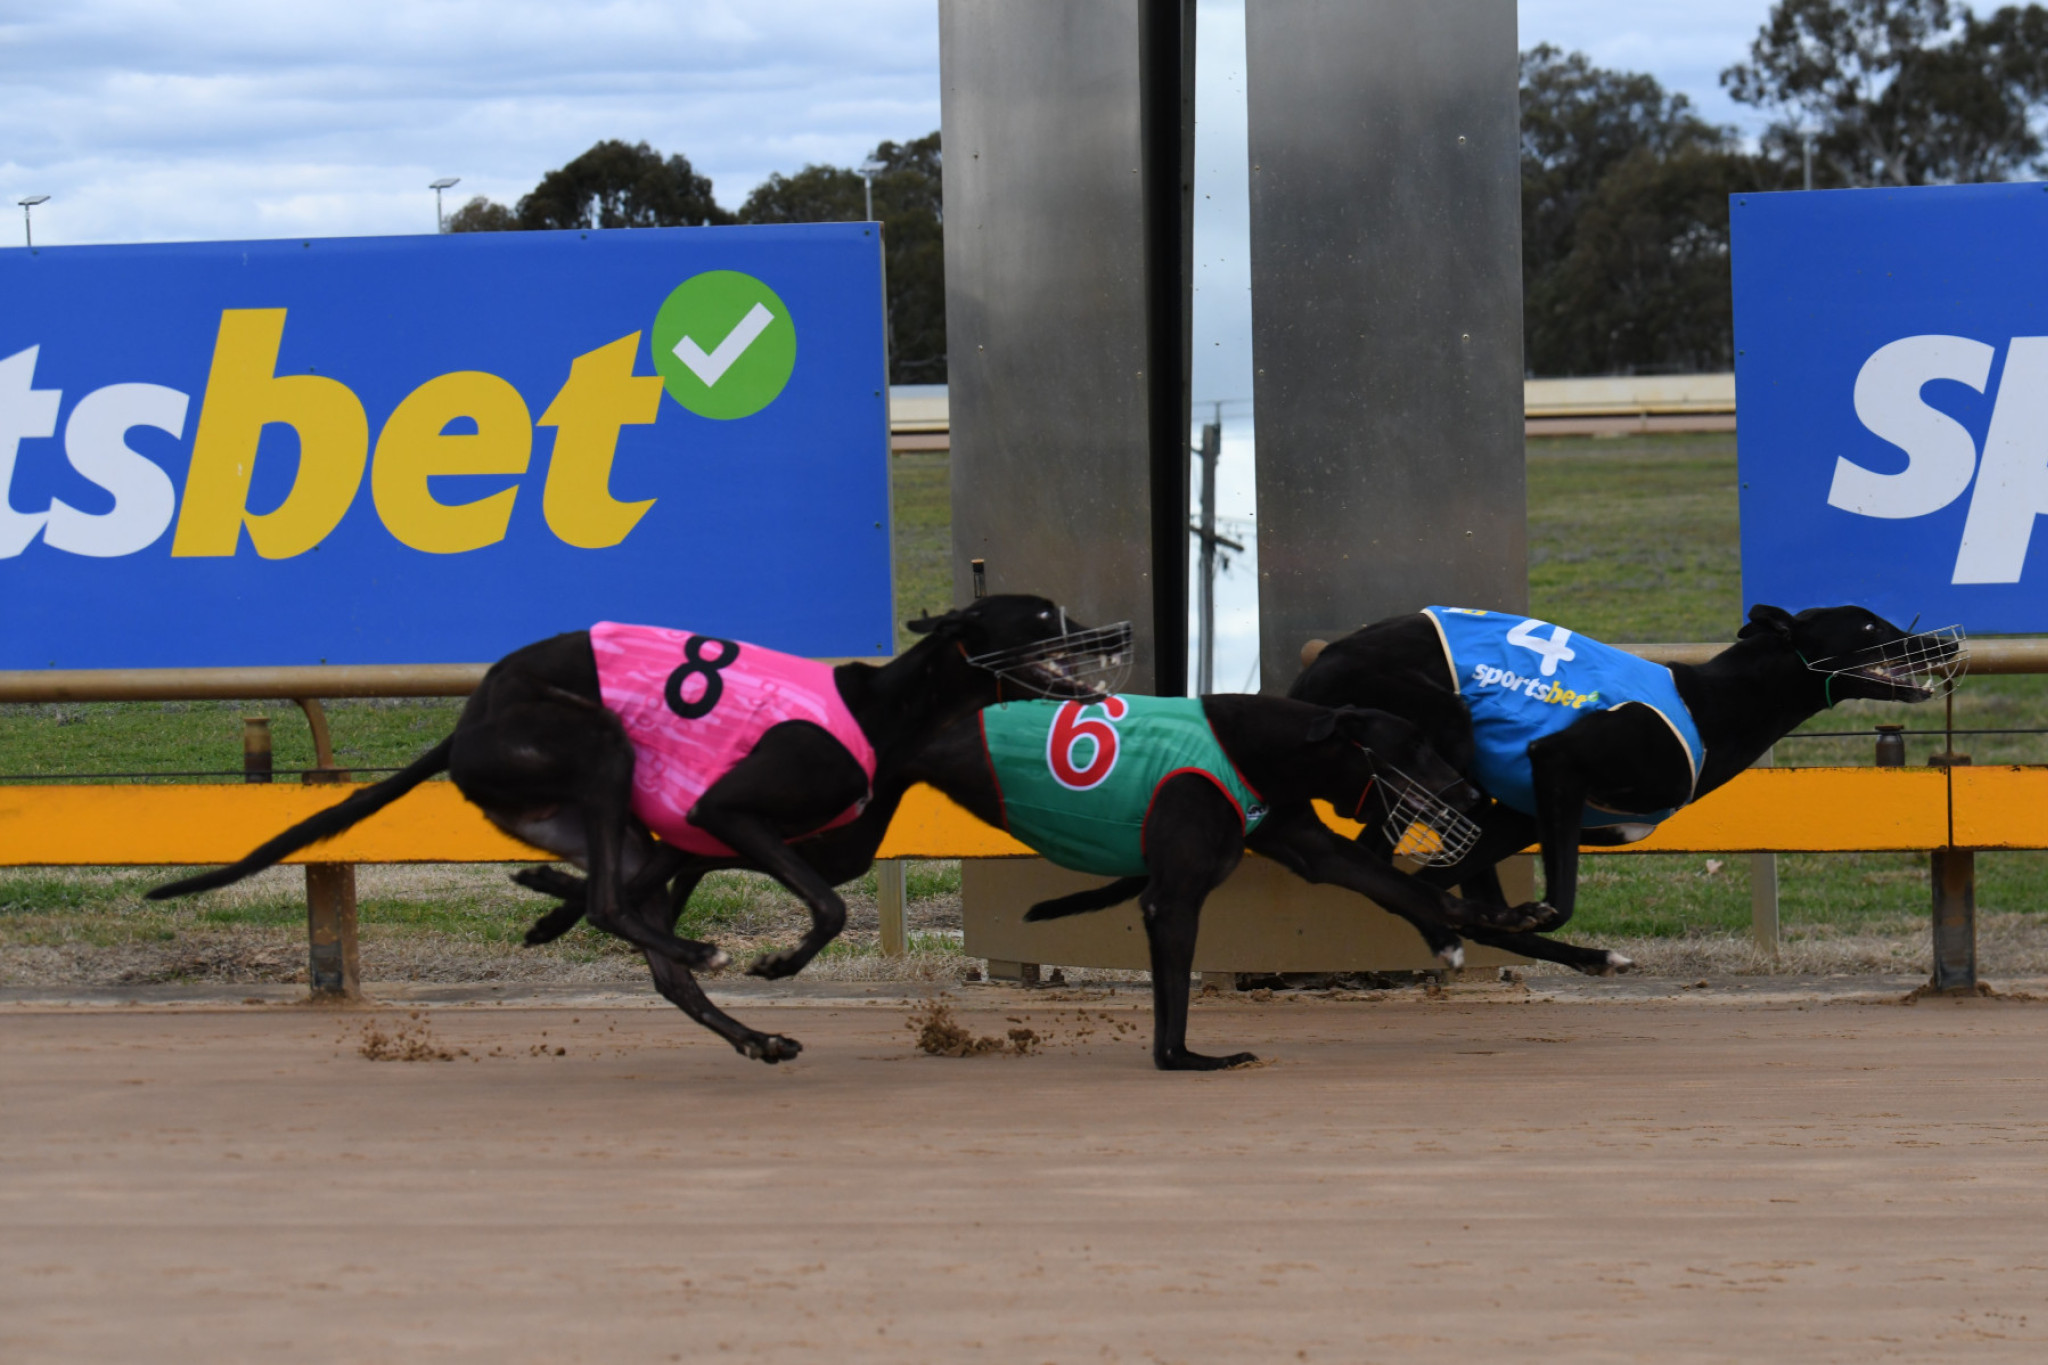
(445, 182)
(1806, 156)
(27, 230)
(867, 176)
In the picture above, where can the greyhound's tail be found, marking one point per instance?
(1085, 902)
(328, 823)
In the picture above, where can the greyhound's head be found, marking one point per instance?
(1031, 643)
(1394, 781)
(1864, 656)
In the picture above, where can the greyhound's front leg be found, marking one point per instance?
(759, 843)
(1504, 831)
(1561, 787)
(1305, 846)
(794, 782)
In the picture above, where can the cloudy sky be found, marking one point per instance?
(208, 119)
(150, 121)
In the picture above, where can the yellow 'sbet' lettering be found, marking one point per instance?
(601, 395)
(413, 448)
(243, 393)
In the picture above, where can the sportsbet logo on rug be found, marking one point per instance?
(724, 344)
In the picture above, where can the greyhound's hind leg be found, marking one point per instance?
(634, 859)
(573, 891)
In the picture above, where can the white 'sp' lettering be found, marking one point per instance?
(1557, 649)
(1070, 729)
(2012, 482)
(1940, 453)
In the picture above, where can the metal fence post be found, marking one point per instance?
(1763, 888)
(256, 764)
(1953, 875)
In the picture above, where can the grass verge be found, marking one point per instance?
(1632, 539)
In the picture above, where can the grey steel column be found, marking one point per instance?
(1386, 313)
(1068, 129)
(1953, 872)
(1069, 135)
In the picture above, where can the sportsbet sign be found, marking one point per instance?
(434, 449)
(1892, 383)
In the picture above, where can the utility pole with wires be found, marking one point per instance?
(1205, 531)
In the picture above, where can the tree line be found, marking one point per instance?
(631, 185)
(1625, 250)
(1625, 247)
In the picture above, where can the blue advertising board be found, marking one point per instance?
(437, 449)
(1891, 380)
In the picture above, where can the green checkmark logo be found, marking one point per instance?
(724, 344)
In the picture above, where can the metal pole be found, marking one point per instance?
(1763, 888)
(1212, 446)
(27, 231)
(1953, 875)
(1806, 156)
(867, 179)
(440, 217)
(256, 761)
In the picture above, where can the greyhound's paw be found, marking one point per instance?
(702, 957)
(1531, 917)
(1610, 964)
(1195, 1061)
(1452, 955)
(776, 965)
(768, 1047)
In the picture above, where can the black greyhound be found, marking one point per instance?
(1194, 835)
(538, 750)
(1781, 670)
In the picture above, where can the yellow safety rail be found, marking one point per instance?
(1763, 810)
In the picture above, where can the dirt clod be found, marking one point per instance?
(939, 1034)
(411, 1041)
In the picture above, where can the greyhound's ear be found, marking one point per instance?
(1349, 720)
(1765, 618)
(927, 623)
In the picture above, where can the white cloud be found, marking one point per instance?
(150, 122)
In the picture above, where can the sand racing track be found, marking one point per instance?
(1668, 1175)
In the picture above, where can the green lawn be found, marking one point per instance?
(1637, 539)
(1630, 540)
